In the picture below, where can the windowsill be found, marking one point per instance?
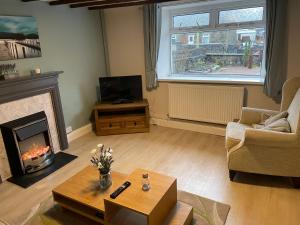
(213, 79)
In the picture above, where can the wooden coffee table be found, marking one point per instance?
(159, 205)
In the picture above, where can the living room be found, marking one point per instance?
(87, 44)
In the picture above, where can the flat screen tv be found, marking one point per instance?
(122, 89)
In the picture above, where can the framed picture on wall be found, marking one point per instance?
(19, 38)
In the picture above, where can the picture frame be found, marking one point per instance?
(19, 38)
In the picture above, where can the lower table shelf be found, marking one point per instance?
(181, 214)
(79, 208)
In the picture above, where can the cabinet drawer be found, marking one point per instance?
(134, 123)
(110, 125)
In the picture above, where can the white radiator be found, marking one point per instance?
(213, 104)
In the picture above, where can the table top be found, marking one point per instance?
(136, 199)
(83, 187)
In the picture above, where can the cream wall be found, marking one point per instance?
(126, 55)
(293, 39)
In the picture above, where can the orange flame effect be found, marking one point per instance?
(35, 151)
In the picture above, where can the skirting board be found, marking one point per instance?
(79, 132)
(192, 126)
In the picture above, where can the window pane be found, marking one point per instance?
(194, 20)
(232, 52)
(241, 15)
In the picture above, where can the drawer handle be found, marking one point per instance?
(134, 123)
(110, 125)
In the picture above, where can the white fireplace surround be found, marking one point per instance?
(21, 108)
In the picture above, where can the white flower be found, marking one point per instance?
(110, 150)
(94, 151)
(100, 145)
(100, 166)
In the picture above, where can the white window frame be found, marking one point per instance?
(214, 25)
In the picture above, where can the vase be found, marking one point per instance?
(105, 180)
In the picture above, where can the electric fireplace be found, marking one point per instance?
(28, 144)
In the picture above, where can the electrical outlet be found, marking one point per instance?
(69, 129)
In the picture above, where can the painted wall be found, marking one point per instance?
(293, 39)
(70, 41)
(126, 54)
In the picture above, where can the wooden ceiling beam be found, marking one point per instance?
(128, 3)
(87, 3)
(62, 2)
(97, 7)
(101, 2)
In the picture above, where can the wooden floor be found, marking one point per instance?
(197, 160)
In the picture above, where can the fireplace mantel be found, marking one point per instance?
(28, 86)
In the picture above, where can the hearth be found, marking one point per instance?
(28, 144)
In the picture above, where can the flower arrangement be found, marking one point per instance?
(102, 158)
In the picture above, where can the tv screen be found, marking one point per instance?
(121, 89)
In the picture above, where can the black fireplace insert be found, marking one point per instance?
(28, 144)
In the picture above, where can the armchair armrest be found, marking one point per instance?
(254, 116)
(270, 138)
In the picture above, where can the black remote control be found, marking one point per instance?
(120, 190)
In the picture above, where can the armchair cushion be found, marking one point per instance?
(276, 117)
(281, 125)
(235, 133)
(269, 122)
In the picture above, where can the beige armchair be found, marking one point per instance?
(264, 151)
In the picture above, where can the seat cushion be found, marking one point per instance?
(235, 132)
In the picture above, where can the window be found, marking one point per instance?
(241, 15)
(194, 20)
(225, 39)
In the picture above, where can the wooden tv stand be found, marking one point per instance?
(122, 118)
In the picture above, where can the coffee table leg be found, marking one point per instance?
(110, 211)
